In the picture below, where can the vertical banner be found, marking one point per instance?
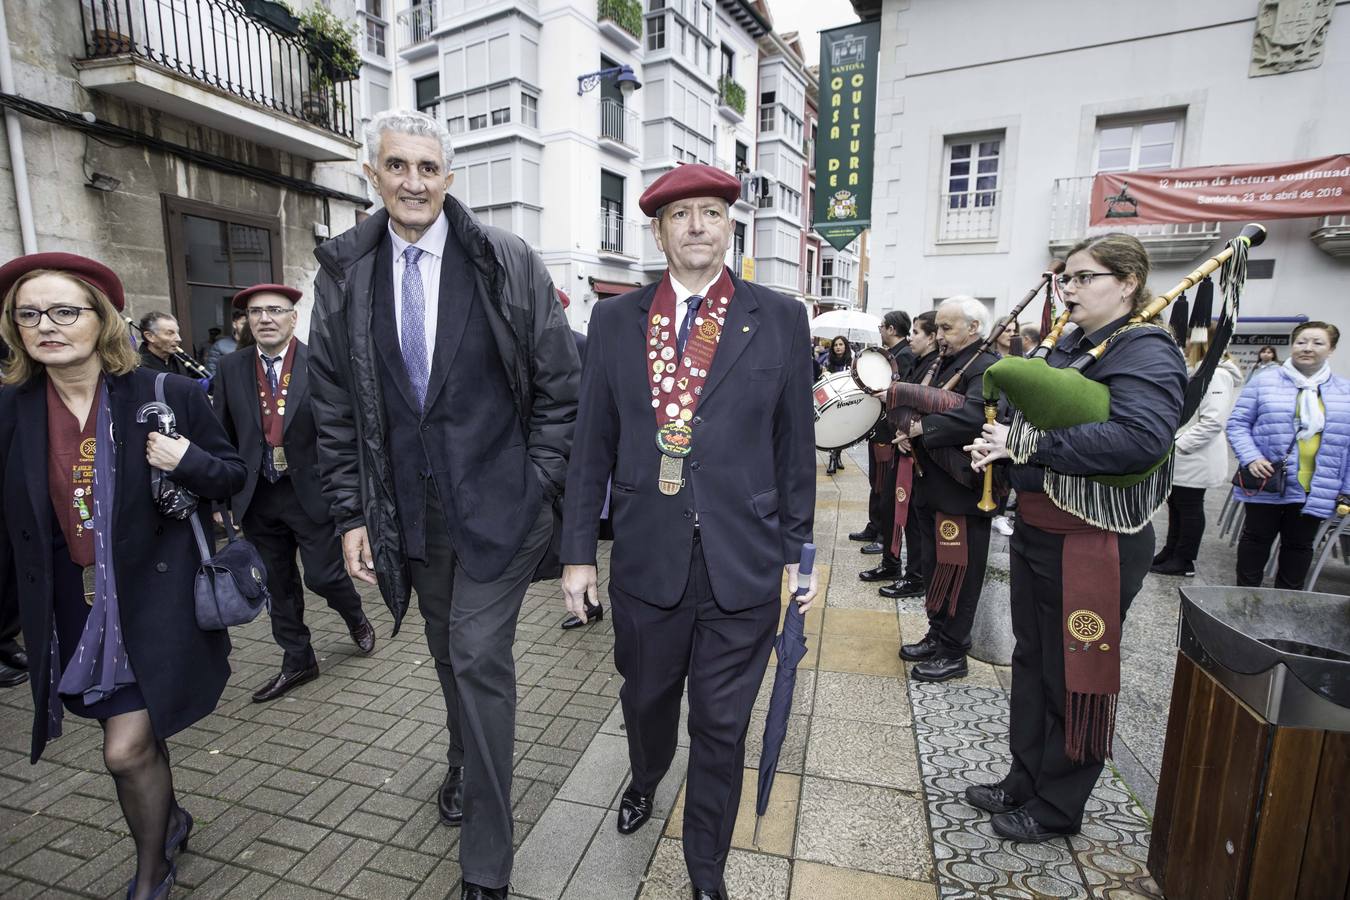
(844, 136)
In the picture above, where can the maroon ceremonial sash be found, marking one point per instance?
(1091, 625)
(884, 454)
(953, 556)
(904, 485)
(677, 383)
(274, 409)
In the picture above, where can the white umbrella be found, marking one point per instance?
(858, 327)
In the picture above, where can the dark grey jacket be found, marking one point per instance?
(532, 338)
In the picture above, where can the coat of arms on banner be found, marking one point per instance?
(843, 205)
(849, 50)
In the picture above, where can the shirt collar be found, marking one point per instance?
(432, 240)
(284, 350)
(1101, 334)
(682, 293)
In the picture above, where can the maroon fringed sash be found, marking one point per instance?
(904, 486)
(953, 556)
(1091, 626)
(884, 454)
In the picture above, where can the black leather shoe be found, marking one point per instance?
(867, 535)
(940, 668)
(883, 572)
(634, 810)
(12, 655)
(450, 799)
(1019, 826)
(1176, 567)
(924, 650)
(700, 894)
(991, 798)
(478, 892)
(284, 682)
(12, 677)
(905, 587)
(871, 549)
(1163, 556)
(363, 636)
(593, 614)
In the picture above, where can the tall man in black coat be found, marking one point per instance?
(445, 382)
(262, 397)
(946, 497)
(696, 395)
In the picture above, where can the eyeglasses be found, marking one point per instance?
(27, 317)
(272, 312)
(1082, 279)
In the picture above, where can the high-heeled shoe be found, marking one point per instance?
(178, 841)
(162, 890)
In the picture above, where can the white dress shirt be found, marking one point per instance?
(682, 295)
(432, 245)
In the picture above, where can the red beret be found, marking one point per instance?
(92, 271)
(690, 180)
(241, 299)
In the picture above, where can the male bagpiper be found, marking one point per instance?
(696, 395)
(261, 395)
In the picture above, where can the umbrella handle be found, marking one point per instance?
(804, 567)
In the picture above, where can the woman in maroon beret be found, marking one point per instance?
(103, 581)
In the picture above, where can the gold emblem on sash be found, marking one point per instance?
(1085, 625)
(949, 531)
(279, 458)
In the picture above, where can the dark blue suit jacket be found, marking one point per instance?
(750, 480)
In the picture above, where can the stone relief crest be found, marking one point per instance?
(1290, 35)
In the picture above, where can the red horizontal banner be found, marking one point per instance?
(1291, 190)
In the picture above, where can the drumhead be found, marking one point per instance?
(873, 369)
(844, 413)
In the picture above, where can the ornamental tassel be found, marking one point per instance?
(1203, 312)
(1089, 726)
(1180, 320)
(1123, 510)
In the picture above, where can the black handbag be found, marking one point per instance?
(1274, 483)
(231, 586)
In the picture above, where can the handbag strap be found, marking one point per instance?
(203, 548)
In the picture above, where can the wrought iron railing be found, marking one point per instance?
(969, 216)
(618, 122)
(216, 43)
(617, 233)
(416, 23)
(1070, 205)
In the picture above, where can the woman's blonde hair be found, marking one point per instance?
(113, 346)
(1124, 256)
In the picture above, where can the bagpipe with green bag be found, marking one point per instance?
(1045, 399)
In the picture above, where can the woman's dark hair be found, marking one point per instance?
(848, 350)
(927, 322)
(1123, 256)
(1333, 333)
(1274, 354)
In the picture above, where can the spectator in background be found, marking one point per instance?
(222, 346)
(160, 342)
(1265, 358)
(1201, 463)
(1297, 416)
(1031, 336)
(839, 358)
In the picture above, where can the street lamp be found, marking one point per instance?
(623, 75)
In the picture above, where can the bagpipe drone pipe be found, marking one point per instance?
(1045, 398)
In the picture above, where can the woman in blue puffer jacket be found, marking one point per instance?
(1300, 413)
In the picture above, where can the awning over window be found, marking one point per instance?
(610, 288)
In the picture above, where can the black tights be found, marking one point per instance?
(139, 765)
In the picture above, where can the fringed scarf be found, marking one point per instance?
(953, 557)
(904, 489)
(1091, 627)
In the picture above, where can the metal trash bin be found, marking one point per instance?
(1254, 793)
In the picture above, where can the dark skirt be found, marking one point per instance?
(71, 614)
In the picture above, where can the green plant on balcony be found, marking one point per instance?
(731, 94)
(627, 14)
(331, 43)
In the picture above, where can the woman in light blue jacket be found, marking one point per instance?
(1298, 413)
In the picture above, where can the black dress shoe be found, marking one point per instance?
(940, 668)
(450, 798)
(924, 650)
(991, 798)
(478, 892)
(1163, 556)
(594, 613)
(905, 587)
(871, 549)
(12, 677)
(867, 535)
(1177, 567)
(363, 636)
(700, 894)
(1019, 826)
(283, 683)
(12, 655)
(634, 810)
(883, 572)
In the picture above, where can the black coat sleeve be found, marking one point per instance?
(211, 468)
(333, 406)
(593, 450)
(794, 444)
(555, 372)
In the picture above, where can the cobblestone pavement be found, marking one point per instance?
(328, 792)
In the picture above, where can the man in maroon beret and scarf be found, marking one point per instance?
(696, 396)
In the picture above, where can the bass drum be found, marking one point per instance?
(845, 413)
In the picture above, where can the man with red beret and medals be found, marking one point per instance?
(262, 397)
(696, 396)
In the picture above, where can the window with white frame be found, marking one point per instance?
(971, 179)
(1139, 143)
(529, 109)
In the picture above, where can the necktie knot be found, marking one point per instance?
(411, 255)
(695, 301)
(270, 361)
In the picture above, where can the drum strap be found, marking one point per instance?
(953, 557)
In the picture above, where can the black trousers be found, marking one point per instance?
(9, 621)
(886, 512)
(1297, 531)
(1185, 523)
(278, 527)
(915, 539)
(953, 632)
(1054, 788)
(470, 628)
(723, 655)
(874, 511)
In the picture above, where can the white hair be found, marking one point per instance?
(972, 309)
(402, 121)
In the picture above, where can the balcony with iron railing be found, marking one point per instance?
(415, 25)
(621, 21)
(968, 216)
(220, 67)
(618, 128)
(1069, 215)
(619, 235)
(730, 98)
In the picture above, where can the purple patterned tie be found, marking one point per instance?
(412, 334)
(683, 335)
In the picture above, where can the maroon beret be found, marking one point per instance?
(241, 299)
(562, 295)
(690, 180)
(92, 271)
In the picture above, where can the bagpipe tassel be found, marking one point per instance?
(1124, 510)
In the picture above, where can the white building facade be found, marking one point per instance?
(986, 147)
